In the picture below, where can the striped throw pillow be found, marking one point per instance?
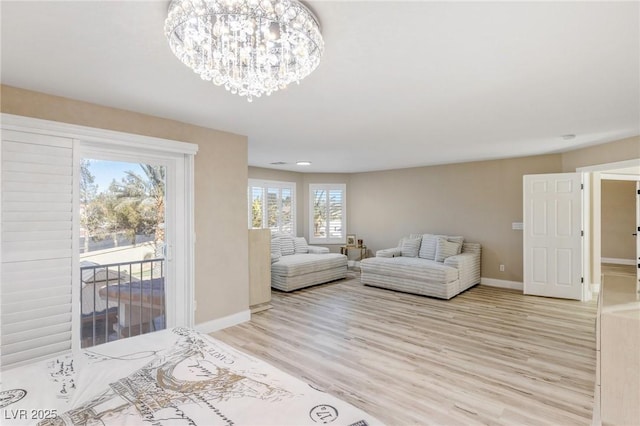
(428, 246)
(286, 246)
(446, 248)
(409, 247)
(456, 239)
(300, 245)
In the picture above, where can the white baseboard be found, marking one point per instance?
(224, 322)
(616, 261)
(502, 283)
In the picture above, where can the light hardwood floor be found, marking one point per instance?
(613, 269)
(487, 356)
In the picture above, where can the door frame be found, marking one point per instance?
(598, 173)
(174, 214)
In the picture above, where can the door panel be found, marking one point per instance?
(552, 235)
(564, 260)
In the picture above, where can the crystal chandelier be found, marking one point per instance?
(251, 47)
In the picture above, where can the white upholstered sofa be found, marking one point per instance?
(295, 264)
(429, 265)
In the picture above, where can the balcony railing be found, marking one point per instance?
(121, 299)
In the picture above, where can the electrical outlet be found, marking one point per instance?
(501, 268)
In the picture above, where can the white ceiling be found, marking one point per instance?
(401, 84)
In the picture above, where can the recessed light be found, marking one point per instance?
(303, 163)
(568, 137)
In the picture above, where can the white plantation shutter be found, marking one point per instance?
(272, 205)
(327, 213)
(336, 207)
(37, 246)
(256, 201)
(286, 212)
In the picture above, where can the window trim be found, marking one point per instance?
(328, 187)
(264, 184)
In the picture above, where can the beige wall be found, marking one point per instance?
(618, 219)
(624, 149)
(477, 200)
(221, 254)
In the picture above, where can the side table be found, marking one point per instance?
(362, 249)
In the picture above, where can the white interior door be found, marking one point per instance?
(553, 235)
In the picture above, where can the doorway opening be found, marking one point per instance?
(620, 171)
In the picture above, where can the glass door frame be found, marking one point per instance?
(179, 291)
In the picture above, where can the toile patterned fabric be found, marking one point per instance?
(169, 377)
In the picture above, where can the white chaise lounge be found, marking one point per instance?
(295, 264)
(429, 265)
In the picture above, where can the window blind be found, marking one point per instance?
(327, 213)
(272, 205)
(335, 208)
(37, 246)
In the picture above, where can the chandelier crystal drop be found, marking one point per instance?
(251, 47)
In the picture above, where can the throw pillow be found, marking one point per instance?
(275, 249)
(287, 247)
(411, 236)
(456, 239)
(446, 248)
(300, 245)
(428, 246)
(409, 247)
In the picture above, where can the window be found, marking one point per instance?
(272, 205)
(327, 213)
